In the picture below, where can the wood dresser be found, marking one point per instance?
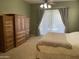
(14, 30)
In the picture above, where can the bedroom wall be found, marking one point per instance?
(15, 7)
(78, 13)
(34, 19)
(72, 15)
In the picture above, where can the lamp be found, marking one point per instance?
(45, 5)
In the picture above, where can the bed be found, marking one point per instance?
(58, 46)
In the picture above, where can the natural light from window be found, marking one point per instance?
(51, 22)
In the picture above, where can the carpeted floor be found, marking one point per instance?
(24, 51)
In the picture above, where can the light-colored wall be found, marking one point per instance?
(34, 19)
(14, 7)
(72, 15)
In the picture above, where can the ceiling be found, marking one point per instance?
(41, 1)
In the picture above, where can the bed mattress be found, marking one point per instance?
(72, 38)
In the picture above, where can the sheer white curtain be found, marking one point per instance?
(51, 22)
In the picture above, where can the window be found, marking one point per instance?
(51, 22)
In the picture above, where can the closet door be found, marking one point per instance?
(8, 31)
(20, 36)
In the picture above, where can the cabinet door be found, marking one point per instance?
(19, 30)
(8, 31)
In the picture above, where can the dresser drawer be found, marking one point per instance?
(8, 47)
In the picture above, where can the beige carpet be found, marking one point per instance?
(24, 51)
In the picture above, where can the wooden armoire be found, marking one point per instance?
(14, 30)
